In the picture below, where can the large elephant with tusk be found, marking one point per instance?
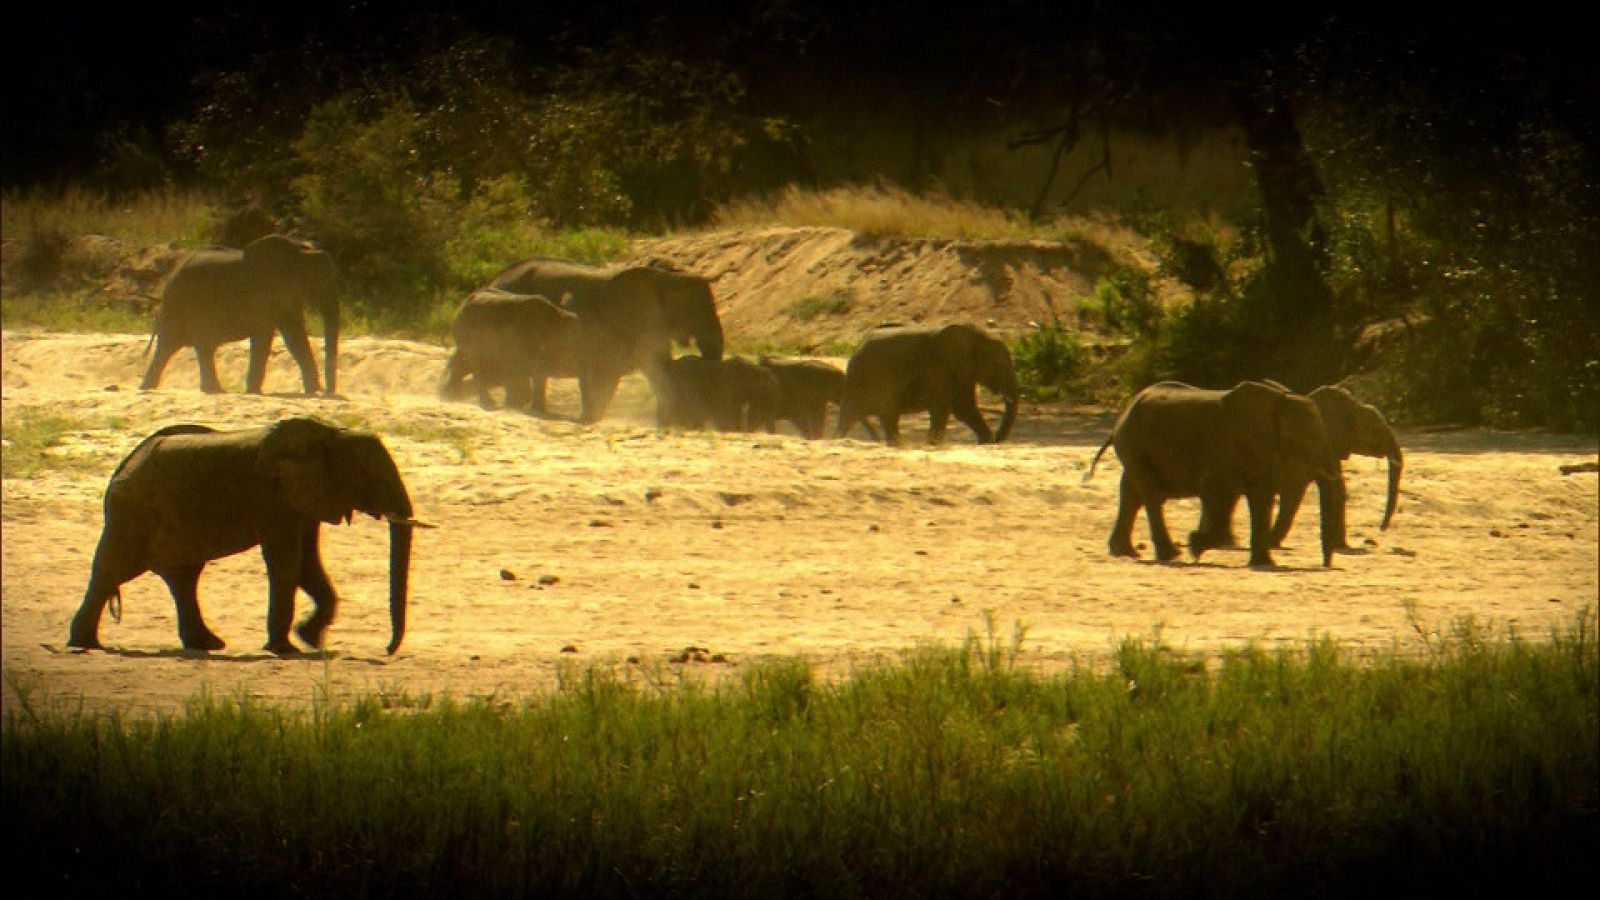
(189, 494)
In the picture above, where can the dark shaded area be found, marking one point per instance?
(103, 83)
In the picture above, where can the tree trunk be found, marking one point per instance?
(1299, 313)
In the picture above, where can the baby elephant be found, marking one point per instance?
(511, 341)
(806, 387)
(730, 394)
(189, 494)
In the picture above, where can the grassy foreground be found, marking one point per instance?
(951, 773)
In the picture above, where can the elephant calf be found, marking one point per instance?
(805, 388)
(731, 394)
(189, 494)
(1353, 427)
(214, 297)
(512, 341)
(1175, 440)
(904, 368)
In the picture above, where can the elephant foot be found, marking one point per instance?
(204, 641)
(311, 632)
(281, 647)
(1168, 553)
(1262, 561)
(1123, 548)
(89, 642)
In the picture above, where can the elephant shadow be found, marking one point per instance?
(183, 653)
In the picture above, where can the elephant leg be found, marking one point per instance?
(1216, 520)
(314, 581)
(284, 559)
(113, 567)
(1331, 500)
(165, 349)
(537, 402)
(255, 375)
(519, 394)
(597, 391)
(1288, 507)
(184, 583)
(455, 375)
(938, 420)
(294, 337)
(891, 428)
(1128, 504)
(1166, 550)
(206, 356)
(965, 406)
(1260, 502)
(1215, 510)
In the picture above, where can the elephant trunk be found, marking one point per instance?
(1396, 463)
(399, 579)
(1008, 418)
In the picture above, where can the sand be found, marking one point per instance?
(691, 554)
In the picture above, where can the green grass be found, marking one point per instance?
(31, 436)
(808, 308)
(1311, 771)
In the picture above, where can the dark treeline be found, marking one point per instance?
(1432, 163)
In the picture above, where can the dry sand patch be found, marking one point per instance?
(625, 543)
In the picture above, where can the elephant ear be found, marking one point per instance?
(296, 457)
(1255, 413)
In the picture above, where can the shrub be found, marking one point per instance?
(1049, 361)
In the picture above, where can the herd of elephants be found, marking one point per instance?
(189, 494)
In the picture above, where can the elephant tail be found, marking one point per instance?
(1099, 453)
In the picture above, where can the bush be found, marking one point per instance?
(1049, 362)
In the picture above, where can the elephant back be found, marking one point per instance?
(557, 279)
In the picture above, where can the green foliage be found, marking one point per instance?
(34, 443)
(1123, 303)
(951, 773)
(1049, 361)
(808, 308)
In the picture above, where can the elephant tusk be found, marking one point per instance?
(414, 523)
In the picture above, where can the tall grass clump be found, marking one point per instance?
(1309, 771)
(880, 210)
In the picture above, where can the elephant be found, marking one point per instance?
(1353, 427)
(627, 317)
(1175, 440)
(806, 387)
(731, 394)
(903, 368)
(217, 296)
(512, 341)
(189, 494)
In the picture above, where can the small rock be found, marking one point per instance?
(954, 599)
(507, 575)
(652, 495)
(600, 523)
(112, 387)
(921, 552)
(548, 579)
(570, 648)
(872, 528)
(719, 657)
(694, 585)
(1495, 532)
(717, 522)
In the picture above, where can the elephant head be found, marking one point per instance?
(979, 358)
(329, 474)
(1356, 427)
(294, 274)
(687, 310)
(1282, 434)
